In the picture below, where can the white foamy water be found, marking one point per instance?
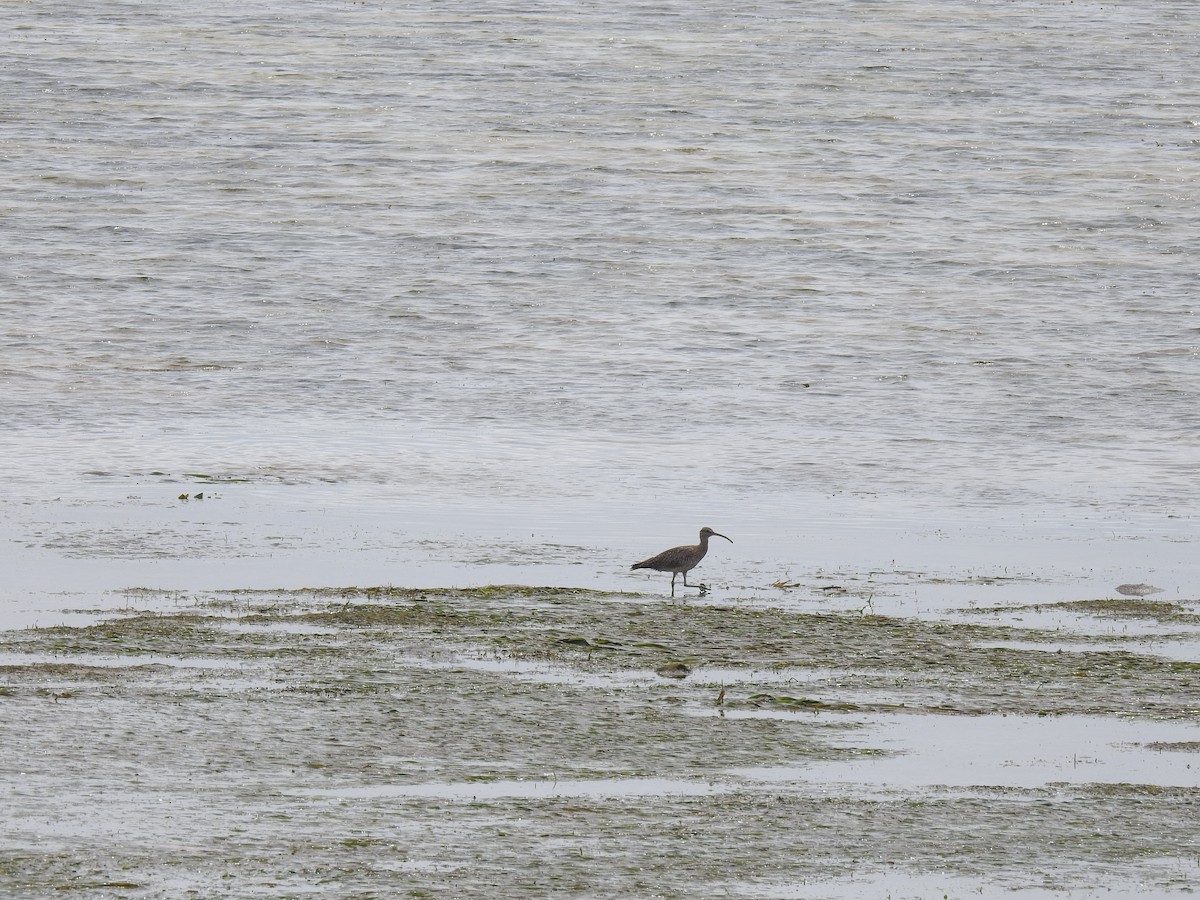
(446, 288)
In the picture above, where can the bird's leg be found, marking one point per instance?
(703, 588)
(673, 574)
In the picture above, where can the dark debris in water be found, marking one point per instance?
(1174, 746)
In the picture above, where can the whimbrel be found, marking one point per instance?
(681, 559)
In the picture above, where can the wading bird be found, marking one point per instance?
(681, 560)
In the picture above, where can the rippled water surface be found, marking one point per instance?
(805, 272)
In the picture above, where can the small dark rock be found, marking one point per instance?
(673, 670)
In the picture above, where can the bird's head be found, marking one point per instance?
(707, 532)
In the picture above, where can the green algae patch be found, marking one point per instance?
(1158, 610)
(796, 703)
(890, 662)
(62, 671)
(386, 740)
(1161, 611)
(129, 634)
(376, 616)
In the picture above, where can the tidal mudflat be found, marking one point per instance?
(513, 741)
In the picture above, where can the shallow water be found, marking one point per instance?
(420, 295)
(1009, 751)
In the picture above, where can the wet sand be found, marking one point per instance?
(514, 741)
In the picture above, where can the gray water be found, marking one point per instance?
(469, 292)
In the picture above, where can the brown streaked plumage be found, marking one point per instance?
(681, 560)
